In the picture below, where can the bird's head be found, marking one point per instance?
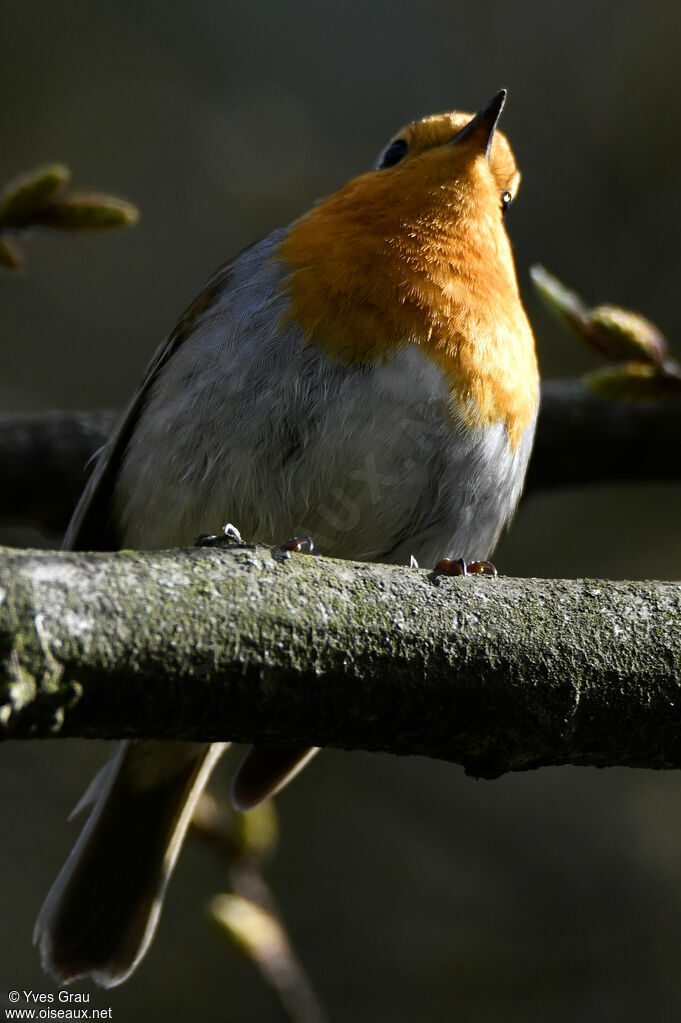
(455, 149)
(435, 199)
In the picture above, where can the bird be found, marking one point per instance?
(366, 376)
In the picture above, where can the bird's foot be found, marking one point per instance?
(299, 544)
(458, 566)
(230, 534)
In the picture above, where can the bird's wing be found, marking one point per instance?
(91, 526)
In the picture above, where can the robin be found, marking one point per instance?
(366, 376)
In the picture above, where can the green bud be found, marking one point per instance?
(11, 254)
(88, 211)
(627, 335)
(251, 929)
(566, 305)
(256, 833)
(23, 197)
(635, 381)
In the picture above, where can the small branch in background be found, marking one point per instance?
(642, 367)
(618, 424)
(44, 464)
(584, 439)
(248, 916)
(38, 199)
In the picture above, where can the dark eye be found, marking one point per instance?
(506, 200)
(393, 154)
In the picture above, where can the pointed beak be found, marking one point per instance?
(481, 128)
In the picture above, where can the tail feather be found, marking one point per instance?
(265, 770)
(101, 914)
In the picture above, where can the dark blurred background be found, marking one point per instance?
(412, 892)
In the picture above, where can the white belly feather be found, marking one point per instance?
(248, 424)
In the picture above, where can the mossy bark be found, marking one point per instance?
(250, 643)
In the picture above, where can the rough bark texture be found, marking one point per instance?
(581, 439)
(250, 643)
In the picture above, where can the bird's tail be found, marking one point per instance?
(265, 770)
(102, 910)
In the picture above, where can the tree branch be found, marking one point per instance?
(581, 439)
(253, 644)
(44, 463)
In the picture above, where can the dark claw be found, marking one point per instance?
(229, 537)
(481, 568)
(207, 540)
(299, 544)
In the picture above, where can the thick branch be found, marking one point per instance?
(249, 643)
(581, 439)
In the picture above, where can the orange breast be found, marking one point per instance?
(372, 268)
